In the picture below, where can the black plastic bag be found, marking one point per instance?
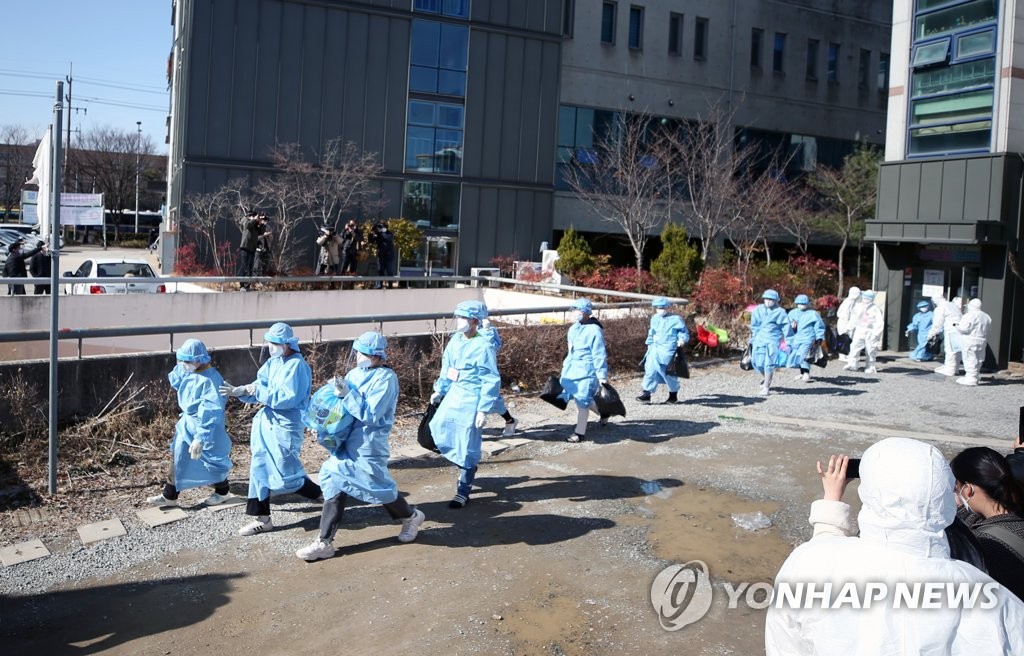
(843, 344)
(746, 360)
(816, 355)
(608, 402)
(423, 435)
(552, 393)
(831, 343)
(678, 366)
(934, 344)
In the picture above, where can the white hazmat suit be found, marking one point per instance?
(867, 335)
(848, 313)
(944, 320)
(973, 328)
(906, 493)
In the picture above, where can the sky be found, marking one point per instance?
(117, 53)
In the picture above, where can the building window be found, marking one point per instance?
(931, 53)
(779, 53)
(568, 17)
(812, 59)
(578, 128)
(636, 27)
(950, 79)
(883, 72)
(438, 57)
(433, 140)
(833, 62)
(974, 45)
(675, 34)
(756, 41)
(957, 18)
(456, 8)
(864, 69)
(608, 23)
(700, 39)
(431, 205)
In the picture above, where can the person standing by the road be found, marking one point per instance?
(847, 315)
(920, 325)
(40, 266)
(666, 335)
(282, 385)
(973, 328)
(15, 266)
(867, 335)
(384, 240)
(465, 392)
(769, 323)
(349, 247)
(201, 447)
(330, 256)
(254, 226)
(358, 464)
(944, 320)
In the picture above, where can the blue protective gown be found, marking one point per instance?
(767, 328)
(921, 324)
(283, 386)
(359, 465)
(202, 418)
(491, 333)
(662, 340)
(586, 363)
(806, 327)
(470, 382)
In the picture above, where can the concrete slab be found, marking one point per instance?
(411, 451)
(99, 531)
(154, 517)
(28, 516)
(23, 552)
(493, 448)
(233, 502)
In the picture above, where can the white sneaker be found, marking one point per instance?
(966, 381)
(764, 390)
(510, 428)
(316, 551)
(805, 377)
(161, 501)
(261, 525)
(945, 372)
(871, 370)
(798, 377)
(217, 499)
(411, 526)
(850, 367)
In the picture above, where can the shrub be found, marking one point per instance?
(575, 259)
(815, 276)
(720, 296)
(505, 264)
(623, 279)
(679, 263)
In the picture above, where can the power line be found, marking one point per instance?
(139, 88)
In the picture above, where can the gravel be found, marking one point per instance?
(903, 396)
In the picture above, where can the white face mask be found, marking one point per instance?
(189, 366)
(660, 311)
(801, 306)
(577, 316)
(461, 325)
(363, 361)
(275, 350)
(769, 303)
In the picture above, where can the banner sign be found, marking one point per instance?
(75, 209)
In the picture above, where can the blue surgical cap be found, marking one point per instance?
(470, 310)
(371, 343)
(192, 350)
(869, 295)
(281, 333)
(660, 302)
(924, 304)
(802, 300)
(771, 294)
(583, 305)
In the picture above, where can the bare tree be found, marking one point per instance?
(848, 196)
(15, 165)
(106, 162)
(205, 212)
(340, 180)
(625, 179)
(765, 199)
(798, 221)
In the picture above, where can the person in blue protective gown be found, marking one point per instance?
(465, 392)
(769, 324)
(282, 385)
(358, 464)
(585, 367)
(488, 330)
(808, 331)
(667, 333)
(201, 448)
(921, 325)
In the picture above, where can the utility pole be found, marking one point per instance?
(67, 148)
(138, 155)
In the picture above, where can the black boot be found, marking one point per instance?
(672, 398)
(645, 397)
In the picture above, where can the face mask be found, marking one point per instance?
(769, 302)
(363, 361)
(801, 306)
(922, 310)
(189, 366)
(660, 312)
(275, 350)
(577, 316)
(963, 500)
(461, 325)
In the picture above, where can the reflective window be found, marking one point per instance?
(931, 53)
(675, 34)
(608, 23)
(972, 45)
(932, 81)
(833, 62)
(864, 69)
(812, 59)
(955, 18)
(431, 205)
(636, 27)
(438, 58)
(578, 129)
(456, 8)
(700, 38)
(433, 141)
(756, 37)
(969, 106)
(779, 53)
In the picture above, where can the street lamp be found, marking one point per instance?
(138, 155)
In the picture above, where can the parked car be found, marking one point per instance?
(30, 231)
(133, 277)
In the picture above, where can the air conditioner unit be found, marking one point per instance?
(485, 271)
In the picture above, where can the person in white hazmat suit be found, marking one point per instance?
(944, 320)
(906, 494)
(867, 335)
(973, 328)
(847, 314)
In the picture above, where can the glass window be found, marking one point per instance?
(456, 8)
(608, 23)
(454, 47)
(700, 39)
(426, 43)
(833, 62)
(568, 17)
(779, 53)
(422, 78)
(883, 72)
(931, 53)
(950, 138)
(636, 27)
(955, 18)
(970, 106)
(958, 77)
(452, 83)
(979, 43)
(864, 69)
(421, 113)
(675, 34)
(431, 205)
(812, 59)
(756, 39)
(433, 6)
(438, 58)
(433, 141)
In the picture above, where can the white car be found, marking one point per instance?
(132, 277)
